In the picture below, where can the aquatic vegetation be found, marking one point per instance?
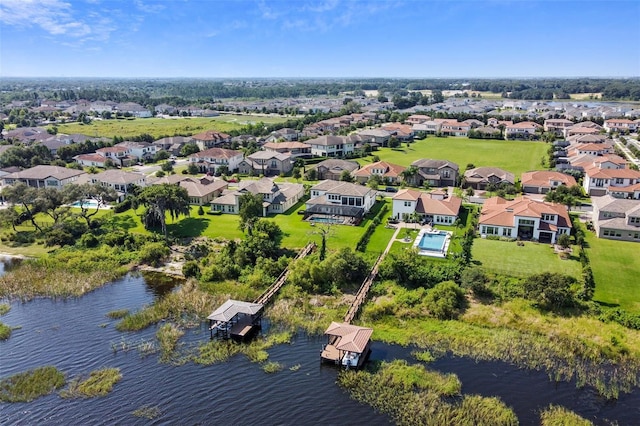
(555, 415)
(99, 383)
(168, 336)
(30, 385)
(405, 393)
(272, 367)
(4, 308)
(118, 314)
(5, 331)
(188, 305)
(424, 356)
(256, 351)
(149, 412)
(295, 367)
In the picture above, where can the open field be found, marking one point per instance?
(521, 261)
(516, 157)
(158, 127)
(616, 268)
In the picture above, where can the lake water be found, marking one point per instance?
(76, 337)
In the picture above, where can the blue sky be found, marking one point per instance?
(321, 38)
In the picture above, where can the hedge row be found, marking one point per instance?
(364, 240)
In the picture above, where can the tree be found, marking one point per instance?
(160, 199)
(88, 191)
(296, 174)
(325, 231)
(250, 210)
(345, 176)
(409, 173)
(25, 197)
(166, 167)
(188, 149)
(374, 181)
(445, 300)
(311, 174)
(550, 290)
(192, 169)
(564, 241)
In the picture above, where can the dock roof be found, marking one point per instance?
(231, 308)
(352, 337)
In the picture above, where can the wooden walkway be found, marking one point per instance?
(271, 291)
(361, 295)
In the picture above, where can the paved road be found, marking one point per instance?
(621, 143)
(152, 168)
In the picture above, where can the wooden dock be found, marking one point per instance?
(361, 295)
(275, 287)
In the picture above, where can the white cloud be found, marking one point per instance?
(57, 18)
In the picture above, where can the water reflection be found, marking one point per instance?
(159, 284)
(8, 262)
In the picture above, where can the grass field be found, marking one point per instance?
(520, 261)
(616, 268)
(516, 157)
(158, 127)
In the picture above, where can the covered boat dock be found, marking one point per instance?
(235, 319)
(347, 345)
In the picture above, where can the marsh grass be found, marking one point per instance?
(30, 385)
(168, 336)
(4, 308)
(99, 383)
(217, 351)
(5, 331)
(605, 356)
(295, 367)
(52, 278)
(555, 415)
(118, 314)
(187, 305)
(148, 412)
(272, 367)
(405, 393)
(424, 356)
(144, 347)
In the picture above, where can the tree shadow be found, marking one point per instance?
(120, 222)
(188, 227)
(607, 304)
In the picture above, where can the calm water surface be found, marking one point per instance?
(77, 337)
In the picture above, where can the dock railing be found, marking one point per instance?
(361, 295)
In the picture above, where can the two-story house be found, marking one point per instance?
(429, 207)
(599, 181)
(455, 128)
(542, 181)
(557, 125)
(337, 201)
(210, 160)
(436, 173)
(620, 125)
(140, 150)
(616, 219)
(334, 168)
(277, 197)
(120, 181)
(119, 155)
(294, 149)
(522, 130)
(524, 218)
(201, 190)
(330, 146)
(266, 163)
(210, 139)
(390, 173)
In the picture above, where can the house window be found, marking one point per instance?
(446, 174)
(491, 230)
(408, 204)
(506, 232)
(636, 236)
(619, 181)
(52, 182)
(548, 217)
(526, 222)
(634, 220)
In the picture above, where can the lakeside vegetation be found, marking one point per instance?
(555, 415)
(5, 331)
(98, 383)
(30, 385)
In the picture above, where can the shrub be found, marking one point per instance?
(445, 300)
(550, 290)
(200, 211)
(191, 269)
(89, 240)
(475, 280)
(123, 206)
(153, 253)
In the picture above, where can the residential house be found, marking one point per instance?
(481, 177)
(522, 130)
(402, 132)
(277, 197)
(620, 125)
(599, 180)
(120, 181)
(417, 119)
(140, 150)
(294, 149)
(631, 192)
(136, 110)
(428, 207)
(430, 126)
(595, 149)
(557, 125)
(473, 123)
(210, 139)
(523, 218)
(266, 163)
(286, 134)
(173, 144)
(201, 190)
(330, 146)
(455, 128)
(436, 173)
(616, 219)
(119, 155)
(377, 136)
(210, 160)
(331, 198)
(91, 160)
(541, 182)
(43, 176)
(390, 173)
(333, 168)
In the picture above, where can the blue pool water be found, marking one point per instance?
(320, 219)
(85, 203)
(432, 241)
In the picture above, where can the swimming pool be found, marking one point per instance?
(432, 243)
(326, 219)
(91, 204)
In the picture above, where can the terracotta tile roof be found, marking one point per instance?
(543, 179)
(97, 158)
(211, 135)
(391, 170)
(524, 125)
(500, 212)
(595, 172)
(217, 153)
(407, 195)
(286, 145)
(448, 207)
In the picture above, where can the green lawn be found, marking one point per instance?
(520, 261)
(513, 156)
(158, 127)
(616, 269)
